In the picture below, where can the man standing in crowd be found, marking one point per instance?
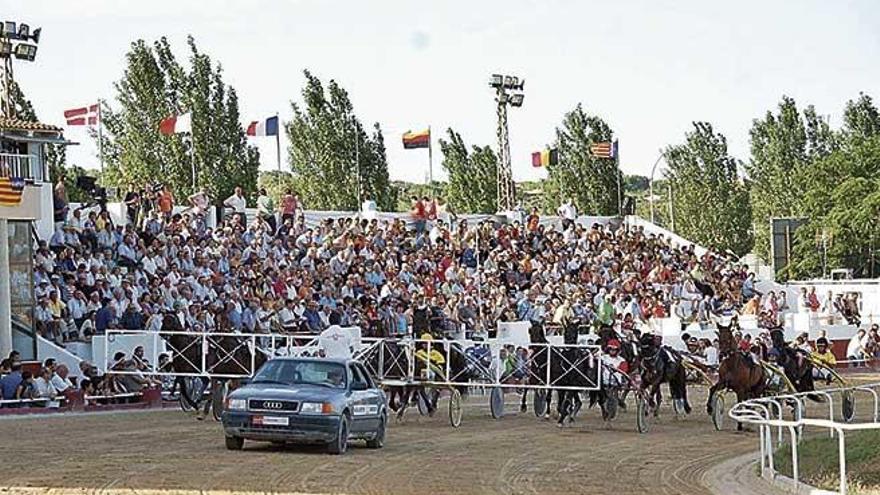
(568, 212)
(237, 204)
(266, 210)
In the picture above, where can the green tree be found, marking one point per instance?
(473, 175)
(711, 201)
(332, 154)
(154, 86)
(785, 146)
(590, 181)
(842, 200)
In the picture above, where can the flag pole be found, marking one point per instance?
(100, 137)
(430, 157)
(616, 149)
(278, 141)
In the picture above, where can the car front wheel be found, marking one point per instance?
(234, 443)
(379, 441)
(340, 443)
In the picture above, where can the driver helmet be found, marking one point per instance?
(773, 353)
(613, 344)
(821, 341)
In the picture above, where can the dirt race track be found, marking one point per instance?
(518, 454)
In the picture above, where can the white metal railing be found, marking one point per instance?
(392, 361)
(767, 413)
(23, 166)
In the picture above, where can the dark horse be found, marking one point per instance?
(736, 372)
(662, 364)
(395, 367)
(539, 356)
(797, 365)
(576, 367)
(223, 355)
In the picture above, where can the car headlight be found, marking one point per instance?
(316, 408)
(236, 404)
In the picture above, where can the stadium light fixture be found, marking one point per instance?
(496, 81)
(24, 51)
(516, 100)
(15, 43)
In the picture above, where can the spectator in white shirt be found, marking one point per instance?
(60, 382)
(855, 350)
(237, 204)
(43, 388)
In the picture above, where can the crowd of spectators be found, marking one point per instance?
(54, 383)
(276, 273)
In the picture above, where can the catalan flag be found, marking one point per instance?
(605, 149)
(544, 158)
(413, 140)
(10, 190)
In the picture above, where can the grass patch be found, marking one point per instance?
(818, 461)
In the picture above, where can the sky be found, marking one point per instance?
(648, 68)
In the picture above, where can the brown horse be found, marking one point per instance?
(224, 355)
(736, 372)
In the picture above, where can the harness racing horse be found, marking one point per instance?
(736, 372)
(539, 355)
(223, 355)
(395, 367)
(576, 367)
(661, 364)
(796, 364)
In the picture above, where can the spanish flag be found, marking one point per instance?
(544, 158)
(10, 190)
(413, 140)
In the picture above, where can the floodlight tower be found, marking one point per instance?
(508, 91)
(14, 43)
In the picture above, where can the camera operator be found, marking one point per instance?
(132, 205)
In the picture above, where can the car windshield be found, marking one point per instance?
(291, 372)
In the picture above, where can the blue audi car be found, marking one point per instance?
(307, 400)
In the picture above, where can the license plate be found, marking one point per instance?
(271, 420)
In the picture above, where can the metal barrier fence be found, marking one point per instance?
(390, 360)
(768, 414)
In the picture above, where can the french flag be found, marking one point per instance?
(268, 127)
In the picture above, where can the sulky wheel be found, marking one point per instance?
(848, 407)
(190, 393)
(718, 411)
(643, 414)
(455, 408)
(218, 398)
(540, 403)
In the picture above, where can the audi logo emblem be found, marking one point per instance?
(272, 405)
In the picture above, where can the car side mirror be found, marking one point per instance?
(358, 386)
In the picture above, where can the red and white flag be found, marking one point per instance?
(83, 116)
(176, 124)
